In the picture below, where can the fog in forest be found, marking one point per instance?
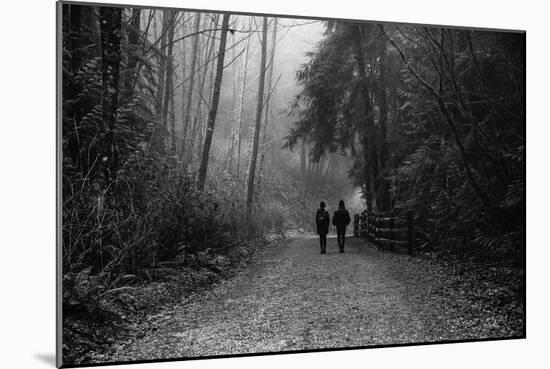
(191, 139)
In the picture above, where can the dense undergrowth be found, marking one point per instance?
(113, 239)
(147, 242)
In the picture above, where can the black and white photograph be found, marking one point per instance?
(235, 184)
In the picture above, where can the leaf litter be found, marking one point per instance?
(293, 298)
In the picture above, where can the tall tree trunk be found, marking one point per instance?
(385, 200)
(320, 165)
(267, 103)
(211, 83)
(367, 129)
(198, 135)
(141, 48)
(214, 105)
(179, 150)
(169, 80)
(303, 157)
(196, 129)
(155, 26)
(241, 106)
(133, 51)
(252, 168)
(110, 65)
(172, 125)
(329, 166)
(187, 107)
(162, 61)
(234, 128)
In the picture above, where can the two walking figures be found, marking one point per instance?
(340, 219)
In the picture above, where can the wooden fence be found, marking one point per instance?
(386, 229)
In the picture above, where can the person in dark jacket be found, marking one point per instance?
(341, 220)
(322, 219)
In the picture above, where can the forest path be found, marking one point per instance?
(294, 298)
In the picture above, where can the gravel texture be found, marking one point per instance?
(293, 298)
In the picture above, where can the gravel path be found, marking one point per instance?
(293, 298)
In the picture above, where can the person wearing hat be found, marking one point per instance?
(322, 219)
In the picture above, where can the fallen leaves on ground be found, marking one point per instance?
(293, 298)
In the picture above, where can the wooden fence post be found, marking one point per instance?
(374, 227)
(367, 225)
(410, 231)
(390, 235)
(364, 225)
(376, 224)
(366, 217)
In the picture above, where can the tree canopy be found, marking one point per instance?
(433, 119)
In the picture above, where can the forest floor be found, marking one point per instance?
(293, 298)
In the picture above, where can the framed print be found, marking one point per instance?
(232, 184)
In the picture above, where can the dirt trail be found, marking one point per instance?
(293, 298)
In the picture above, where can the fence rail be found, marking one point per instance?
(386, 229)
